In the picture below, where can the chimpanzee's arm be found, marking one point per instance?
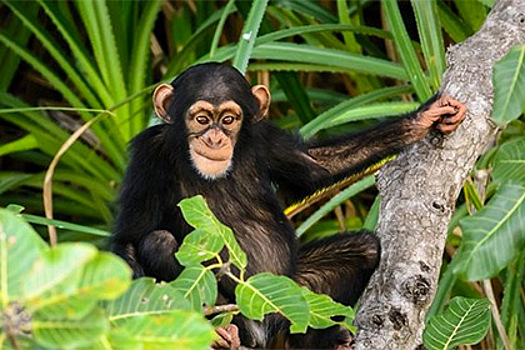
(138, 236)
(304, 168)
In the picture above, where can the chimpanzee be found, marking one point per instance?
(214, 141)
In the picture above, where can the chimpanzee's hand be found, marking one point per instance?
(228, 338)
(445, 113)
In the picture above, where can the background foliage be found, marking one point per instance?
(332, 67)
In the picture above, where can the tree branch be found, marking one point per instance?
(419, 190)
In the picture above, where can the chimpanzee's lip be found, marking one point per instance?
(215, 155)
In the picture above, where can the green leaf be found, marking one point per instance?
(452, 24)
(199, 246)
(53, 49)
(494, 236)
(323, 119)
(67, 307)
(145, 297)
(323, 308)
(39, 65)
(373, 216)
(473, 13)
(227, 10)
(38, 220)
(249, 34)
(67, 333)
(56, 265)
(181, 330)
(334, 202)
(20, 246)
(296, 95)
(510, 163)
(405, 49)
(429, 29)
(82, 57)
(325, 58)
(265, 293)
(310, 8)
(222, 320)
(509, 86)
(105, 277)
(25, 143)
(374, 111)
(197, 213)
(465, 321)
(301, 53)
(198, 285)
(511, 305)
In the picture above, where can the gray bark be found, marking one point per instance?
(419, 190)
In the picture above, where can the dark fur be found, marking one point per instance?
(150, 227)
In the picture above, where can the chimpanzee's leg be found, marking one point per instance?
(339, 266)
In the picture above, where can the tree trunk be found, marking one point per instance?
(419, 190)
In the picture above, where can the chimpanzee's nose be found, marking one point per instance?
(214, 138)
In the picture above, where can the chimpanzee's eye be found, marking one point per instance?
(202, 120)
(228, 120)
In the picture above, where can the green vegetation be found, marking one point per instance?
(332, 67)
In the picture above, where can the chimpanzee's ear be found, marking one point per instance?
(262, 95)
(161, 99)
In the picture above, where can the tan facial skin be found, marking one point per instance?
(212, 130)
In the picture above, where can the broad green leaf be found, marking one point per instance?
(57, 265)
(181, 330)
(509, 86)
(249, 34)
(199, 246)
(105, 277)
(67, 333)
(323, 308)
(198, 285)
(197, 213)
(510, 163)
(66, 307)
(266, 293)
(465, 321)
(494, 236)
(145, 297)
(20, 246)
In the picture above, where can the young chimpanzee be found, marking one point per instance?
(215, 142)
